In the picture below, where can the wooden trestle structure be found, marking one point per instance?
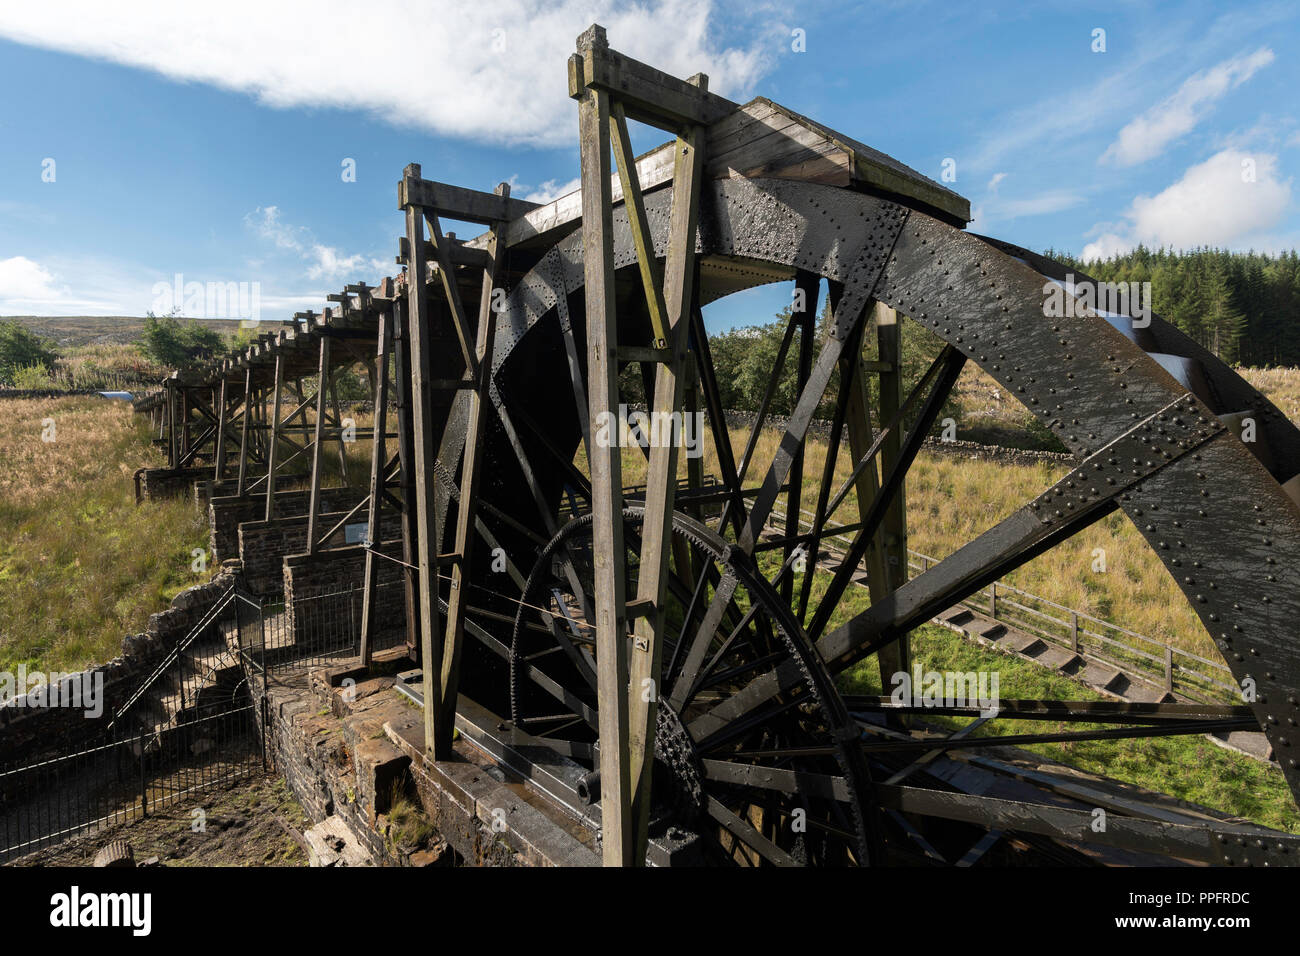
(692, 667)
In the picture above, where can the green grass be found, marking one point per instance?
(80, 565)
(1190, 768)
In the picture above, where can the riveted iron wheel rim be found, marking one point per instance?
(1230, 534)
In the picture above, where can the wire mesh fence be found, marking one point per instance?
(196, 721)
(115, 779)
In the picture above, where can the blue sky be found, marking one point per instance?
(211, 142)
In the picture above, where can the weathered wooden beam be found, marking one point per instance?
(406, 464)
(378, 460)
(471, 472)
(646, 94)
(273, 452)
(250, 416)
(892, 540)
(634, 204)
(425, 452)
(223, 422)
(313, 505)
(661, 477)
(457, 202)
(617, 826)
(807, 290)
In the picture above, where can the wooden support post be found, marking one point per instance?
(223, 417)
(691, 409)
(807, 286)
(185, 423)
(661, 477)
(428, 521)
(313, 506)
(406, 466)
(861, 436)
(471, 471)
(618, 841)
(893, 528)
(173, 435)
(242, 484)
(378, 464)
(604, 84)
(273, 449)
(342, 440)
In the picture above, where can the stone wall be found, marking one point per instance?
(153, 484)
(29, 732)
(333, 572)
(263, 546)
(334, 756)
(227, 512)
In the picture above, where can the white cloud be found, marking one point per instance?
(329, 264)
(492, 70)
(996, 209)
(88, 286)
(22, 280)
(323, 262)
(1105, 246)
(1147, 135)
(28, 287)
(266, 220)
(993, 183)
(1041, 205)
(1215, 203)
(552, 190)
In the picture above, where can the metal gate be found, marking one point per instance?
(190, 725)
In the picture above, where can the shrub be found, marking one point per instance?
(176, 343)
(21, 348)
(31, 377)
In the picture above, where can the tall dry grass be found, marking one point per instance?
(951, 501)
(1281, 386)
(80, 565)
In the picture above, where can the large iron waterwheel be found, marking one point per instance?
(1152, 420)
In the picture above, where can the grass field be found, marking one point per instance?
(80, 565)
(951, 500)
(68, 501)
(1189, 768)
(78, 330)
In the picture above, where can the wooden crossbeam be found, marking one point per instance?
(609, 89)
(646, 94)
(457, 202)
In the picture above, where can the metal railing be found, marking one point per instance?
(192, 723)
(1138, 657)
(322, 628)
